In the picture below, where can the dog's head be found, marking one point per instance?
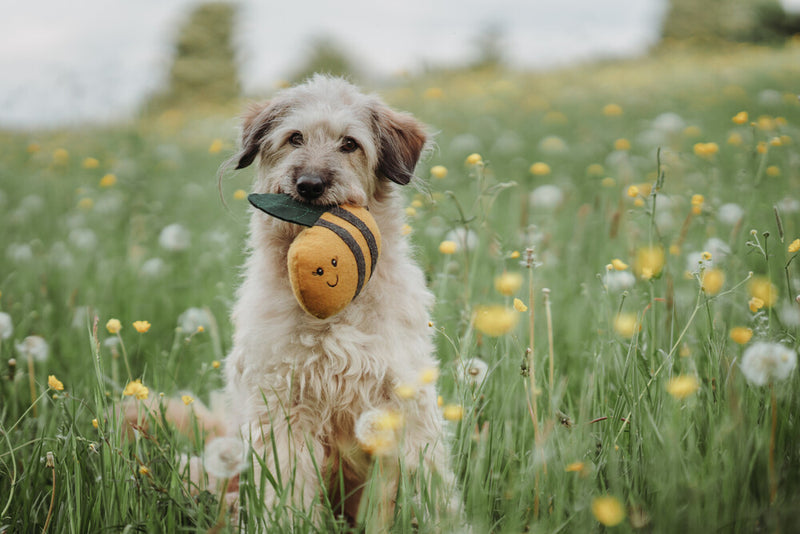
(327, 143)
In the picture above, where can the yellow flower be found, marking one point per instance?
(108, 180)
(514, 255)
(144, 471)
(608, 182)
(439, 171)
(692, 131)
(494, 320)
(136, 389)
(712, 281)
(215, 364)
(429, 375)
(85, 203)
(60, 156)
(622, 144)
(520, 306)
(761, 147)
(612, 110)
(405, 229)
(540, 168)
(95, 424)
(761, 288)
(405, 391)
(740, 118)
(474, 159)
(453, 412)
(741, 334)
(508, 283)
(618, 264)
(448, 247)
(595, 169)
(141, 326)
(410, 211)
(639, 202)
(215, 147)
(735, 139)
(633, 191)
(187, 399)
(682, 386)
(113, 326)
(773, 171)
(755, 304)
(706, 150)
(239, 194)
(608, 510)
(626, 324)
(90, 163)
(765, 122)
(33, 148)
(55, 383)
(649, 262)
(576, 467)
(794, 246)
(433, 93)
(775, 141)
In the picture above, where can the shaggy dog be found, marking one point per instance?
(299, 384)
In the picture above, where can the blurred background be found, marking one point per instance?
(111, 59)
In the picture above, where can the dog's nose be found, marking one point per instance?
(310, 186)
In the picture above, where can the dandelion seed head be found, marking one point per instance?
(473, 371)
(766, 362)
(376, 431)
(6, 326)
(175, 237)
(225, 457)
(33, 347)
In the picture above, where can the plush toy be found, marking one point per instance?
(330, 261)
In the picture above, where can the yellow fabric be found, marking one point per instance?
(321, 288)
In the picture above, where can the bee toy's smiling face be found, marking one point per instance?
(330, 262)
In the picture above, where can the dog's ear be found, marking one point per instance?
(401, 139)
(258, 119)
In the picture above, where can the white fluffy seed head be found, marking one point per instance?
(766, 362)
(225, 457)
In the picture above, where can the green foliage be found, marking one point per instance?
(326, 55)
(727, 20)
(77, 244)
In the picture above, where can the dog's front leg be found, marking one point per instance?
(294, 460)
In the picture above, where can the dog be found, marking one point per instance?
(297, 385)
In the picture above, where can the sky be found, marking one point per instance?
(96, 60)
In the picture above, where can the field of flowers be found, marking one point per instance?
(612, 252)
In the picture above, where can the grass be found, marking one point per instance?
(606, 424)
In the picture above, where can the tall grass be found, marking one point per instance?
(533, 449)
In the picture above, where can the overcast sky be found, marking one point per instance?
(64, 62)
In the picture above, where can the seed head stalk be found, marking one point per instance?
(529, 262)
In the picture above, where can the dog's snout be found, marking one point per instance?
(310, 186)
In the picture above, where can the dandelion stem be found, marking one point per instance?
(773, 479)
(52, 501)
(550, 338)
(32, 384)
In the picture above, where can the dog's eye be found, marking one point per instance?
(349, 145)
(333, 262)
(296, 139)
(319, 271)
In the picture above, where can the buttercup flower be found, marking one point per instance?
(494, 320)
(649, 262)
(761, 288)
(141, 326)
(108, 180)
(741, 334)
(113, 326)
(626, 324)
(508, 283)
(439, 171)
(740, 118)
(755, 304)
(520, 306)
(540, 169)
(453, 412)
(682, 386)
(187, 399)
(429, 375)
(618, 264)
(712, 281)
(794, 246)
(448, 247)
(766, 362)
(90, 163)
(622, 144)
(55, 383)
(376, 431)
(225, 457)
(239, 194)
(612, 110)
(706, 150)
(405, 391)
(136, 389)
(608, 510)
(215, 147)
(474, 159)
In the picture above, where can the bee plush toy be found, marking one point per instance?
(330, 261)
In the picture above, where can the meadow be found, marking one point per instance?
(633, 223)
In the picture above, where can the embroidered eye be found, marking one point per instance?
(333, 262)
(319, 271)
(296, 140)
(349, 145)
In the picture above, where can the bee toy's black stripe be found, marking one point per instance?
(354, 248)
(372, 244)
